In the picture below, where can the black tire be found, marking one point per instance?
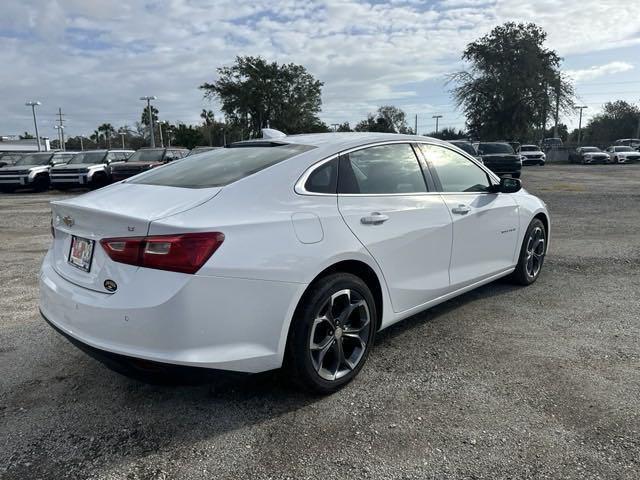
(99, 180)
(41, 183)
(526, 273)
(343, 339)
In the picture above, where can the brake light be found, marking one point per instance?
(185, 253)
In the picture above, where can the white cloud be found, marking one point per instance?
(599, 71)
(367, 54)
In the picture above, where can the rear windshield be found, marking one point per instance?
(590, 149)
(147, 156)
(217, 168)
(466, 147)
(35, 159)
(88, 157)
(529, 148)
(489, 148)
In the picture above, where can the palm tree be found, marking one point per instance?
(107, 131)
(208, 120)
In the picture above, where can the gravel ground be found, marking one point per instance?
(503, 382)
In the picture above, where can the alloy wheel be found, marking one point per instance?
(535, 252)
(339, 334)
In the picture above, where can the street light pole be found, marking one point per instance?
(437, 117)
(122, 136)
(33, 105)
(148, 99)
(160, 130)
(582, 107)
(81, 144)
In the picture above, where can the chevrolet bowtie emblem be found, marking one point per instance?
(68, 221)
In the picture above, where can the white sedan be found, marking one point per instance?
(290, 250)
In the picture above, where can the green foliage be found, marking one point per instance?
(255, 94)
(26, 136)
(186, 136)
(144, 118)
(449, 133)
(387, 119)
(563, 132)
(513, 84)
(344, 127)
(618, 119)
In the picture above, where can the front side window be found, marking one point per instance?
(456, 173)
(383, 169)
(147, 156)
(220, 167)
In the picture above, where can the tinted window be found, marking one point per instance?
(384, 169)
(529, 148)
(456, 173)
(466, 147)
(34, 159)
(219, 167)
(490, 148)
(324, 179)
(88, 157)
(147, 156)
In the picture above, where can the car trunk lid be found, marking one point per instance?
(121, 210)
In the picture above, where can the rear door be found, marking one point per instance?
(384, 199)
(485, 225)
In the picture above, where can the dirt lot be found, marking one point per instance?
(503, 382)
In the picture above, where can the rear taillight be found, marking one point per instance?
(185, 253)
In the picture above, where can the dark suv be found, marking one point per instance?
(500, 158)
(147, 158)
(91, 168)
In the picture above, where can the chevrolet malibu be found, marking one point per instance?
(286, 251)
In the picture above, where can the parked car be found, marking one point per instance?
(532, 155)
(88, 169)
(145, 159)
(550, 143)
(623, 154)
(266, 256)
(31, 171)
(9, 158)
(467, 147)
(629, 142)
(589, 155)
(500, 158)
(197, 150)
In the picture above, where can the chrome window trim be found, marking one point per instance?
(300, 189)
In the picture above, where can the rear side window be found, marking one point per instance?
(324, 179)
(220, 167)
(383, 169)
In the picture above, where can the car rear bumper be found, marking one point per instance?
(212, 322)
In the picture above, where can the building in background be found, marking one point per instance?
(12, 143)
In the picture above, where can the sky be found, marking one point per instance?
(95, 59)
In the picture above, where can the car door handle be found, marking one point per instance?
(376, 218)
(461, 209)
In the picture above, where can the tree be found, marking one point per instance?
(187, 136)
(144, 118)
(618, 119)
(563, 132)
(514, 84)
(388, 119)
(449, 133)
(344, 127)
(107, 131)
(208, 120)
(256, 94)
(26, 136)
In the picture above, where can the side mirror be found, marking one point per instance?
(507, 185)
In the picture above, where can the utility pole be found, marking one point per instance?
(582, 107)
(151, 132)
(122, 135)
(61, 129)
(437, 117)
(160, 130)
(81, 144)
(33, 105)
(415, 129)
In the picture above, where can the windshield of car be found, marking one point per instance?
(220, 167)
(88, 157)
(34, 159)
(466, 147)
(529, 148)
(147, 156)
(590, 149)
(490, 148)
(9, 157)
(624, 149)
